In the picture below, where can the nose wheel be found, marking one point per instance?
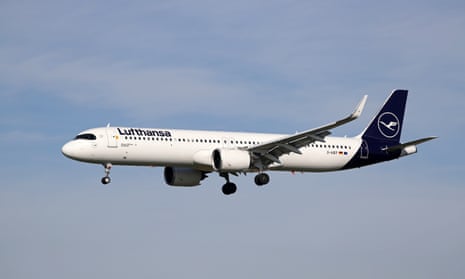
(106, 179)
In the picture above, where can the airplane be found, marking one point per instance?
(188, 156)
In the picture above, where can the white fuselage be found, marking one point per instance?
(192, 149)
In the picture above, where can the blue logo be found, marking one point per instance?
(388, 125)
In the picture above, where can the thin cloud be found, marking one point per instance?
(19, 136)
(212, 57)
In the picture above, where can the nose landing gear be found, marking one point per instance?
(106, 179)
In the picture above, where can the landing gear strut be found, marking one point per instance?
(228, 188)
(106, 179)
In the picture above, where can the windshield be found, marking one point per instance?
(86, 137)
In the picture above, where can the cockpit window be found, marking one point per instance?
(86, 137)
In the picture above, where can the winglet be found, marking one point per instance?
(359, 109)
(354, 115)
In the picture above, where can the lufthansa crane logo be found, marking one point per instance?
(388, 124)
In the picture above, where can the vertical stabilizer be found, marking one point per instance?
(387, 124)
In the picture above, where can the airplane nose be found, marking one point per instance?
(67, 150)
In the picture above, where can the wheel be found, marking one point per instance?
(106, 180)
(262, 179)
(229, 188)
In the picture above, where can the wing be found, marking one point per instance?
(269, 152)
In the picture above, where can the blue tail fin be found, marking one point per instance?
(387, 124)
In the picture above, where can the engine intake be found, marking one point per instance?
(231, 160)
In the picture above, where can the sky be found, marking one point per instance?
(265, 66)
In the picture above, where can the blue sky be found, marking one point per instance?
(268, 66)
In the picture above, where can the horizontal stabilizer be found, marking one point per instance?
(410, 143)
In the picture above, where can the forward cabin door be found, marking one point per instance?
(112, 137)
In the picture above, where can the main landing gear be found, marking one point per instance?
(228, 188)
(262, 179)
(231, 188)
(106, 179)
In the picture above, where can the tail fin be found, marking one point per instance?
(387, 124)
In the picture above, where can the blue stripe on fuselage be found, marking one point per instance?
(371, 152)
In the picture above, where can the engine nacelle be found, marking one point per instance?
(185, 177)
(408, 150)
(231, 160)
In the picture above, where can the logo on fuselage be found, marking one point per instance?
(143, 132)
(388, 125)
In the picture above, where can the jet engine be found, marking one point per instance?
(186, 177)
(231, 160)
